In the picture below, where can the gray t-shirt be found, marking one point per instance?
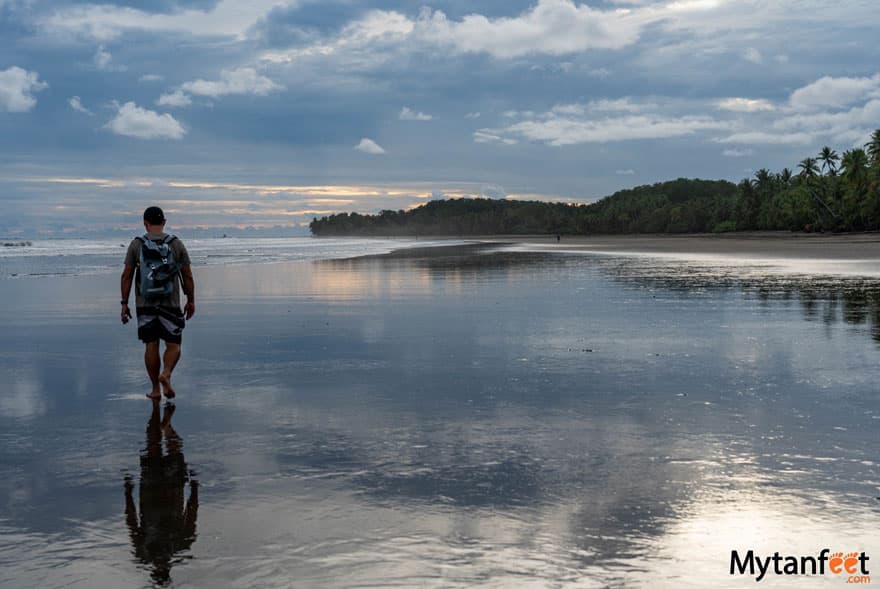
(133, 257)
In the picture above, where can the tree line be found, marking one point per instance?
(828, 192)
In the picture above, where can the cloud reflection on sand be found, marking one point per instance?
(489, 419)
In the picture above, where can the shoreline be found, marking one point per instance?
(850, 255)
(752, 245)
(457, 250)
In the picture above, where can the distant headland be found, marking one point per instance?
(829, 192)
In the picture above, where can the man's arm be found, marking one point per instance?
(125, 287)
(189, 289)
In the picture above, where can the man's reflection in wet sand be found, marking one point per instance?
(166, 526)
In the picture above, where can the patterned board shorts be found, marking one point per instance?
(156, 323)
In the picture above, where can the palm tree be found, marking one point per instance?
(748, 205)
(854, 166)
(785, 176)
(873, 147)
(809, 168)
(829, 159)
(763, 180)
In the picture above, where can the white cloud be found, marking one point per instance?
(134, 121)
(102, 58)
(151, 78)
(821, 112)
(176, 98)
(765, 138)
(573, 128)
(244, 80)
(105, 21)
(835, 92)
(693, 5)
(850, 126)
(563, 109)
(566, 27)
(618, 105)
(77, 105)
(407, 114)
(369, 146)
(551, 27)
(627, 172)
(753, 55)
(829, 110)
(755, 29)
(17, 88)
(563, 67)
(489, 136)
(492, 191)
(745, 104)
(472, 115)
(738, 152)
(103, 61)
(362, 41)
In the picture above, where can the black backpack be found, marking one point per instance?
(158, 269)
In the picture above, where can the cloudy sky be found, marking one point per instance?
(265, 113)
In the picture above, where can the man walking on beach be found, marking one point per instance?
(159, 315)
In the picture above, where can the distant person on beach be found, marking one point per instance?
(159, 265)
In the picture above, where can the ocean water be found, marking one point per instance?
(480, 418)
(71, 257)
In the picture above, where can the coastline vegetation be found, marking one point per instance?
(828, 192)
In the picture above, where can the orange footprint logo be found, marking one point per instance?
(835, 563)
(850, 562)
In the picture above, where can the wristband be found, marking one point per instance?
(124, 302)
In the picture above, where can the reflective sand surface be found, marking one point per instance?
(480, 419)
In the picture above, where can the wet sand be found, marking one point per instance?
(510, 419)
(779, 253)
(754, 245)
(456, 251)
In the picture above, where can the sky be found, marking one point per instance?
(259, 115)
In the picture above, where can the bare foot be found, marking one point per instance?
(165, 379)
(154, 394)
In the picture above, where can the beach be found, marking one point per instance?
(743, 245)
(507, 412)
